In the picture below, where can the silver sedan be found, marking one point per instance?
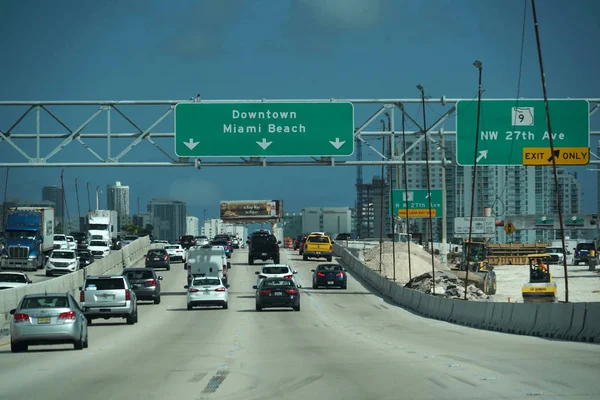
(46, 319)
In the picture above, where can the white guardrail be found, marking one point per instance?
(112, 264)
(566, 321)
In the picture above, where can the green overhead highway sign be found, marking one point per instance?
(418, 203)
(507, 127)
(283, 129)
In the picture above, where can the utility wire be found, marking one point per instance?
(553, 154)
(478, 65)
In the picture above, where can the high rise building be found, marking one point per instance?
(331, 220)
(169, 217)
(55, 195)
(598, 183)
(292, 225)
(192, 226)
(117, 199)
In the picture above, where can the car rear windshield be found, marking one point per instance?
(206, 282)
(174, 247)
(60, 238)
(105, 284)
(63, 254)
(13, 278)
(45, 302)
(329, 267)
(318, 239)
(585, 246)
(260, 239)
(98, 244)
(219, 243)
(284, 282)
(276, 270)
(152, 253)
(134, 275)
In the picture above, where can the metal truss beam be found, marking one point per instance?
(19, 138)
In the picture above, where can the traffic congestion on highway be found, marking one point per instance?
(217, 324)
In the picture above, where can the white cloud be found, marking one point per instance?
(346, 13)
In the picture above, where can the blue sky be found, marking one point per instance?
(303, 49)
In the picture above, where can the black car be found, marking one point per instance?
(277, 293)
(158, 258)
(85, 257)
(263, 247)
(80, 239)
(226, 238)
(187, 241)
(144, 282)
(329, 275)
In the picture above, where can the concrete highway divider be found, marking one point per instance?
(566, 321)
(112, 264)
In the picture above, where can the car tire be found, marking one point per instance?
(305, 257)
(344, 286)
(48, 274)
(276, 260)
(130, 319)
(17, 347)
(168, 268)
(258, 308)
(189, 307)
(157, 300)
(89, 321)
(297, 308)
(78, 345)
(136, 317)
(329, 259)
(86, 343)
(225, 306)
(315, 286)
(250, 261)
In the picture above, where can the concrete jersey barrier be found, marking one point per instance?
(70, 283)
(566, 321)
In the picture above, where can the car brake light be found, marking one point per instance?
(339, 274)
(330, 247)
(82, 296)
(152, 282)
(262, 276)
(67, 315)
(288, 276)
(166, 256)
(147, 257)
(251, 249)
(194, 290)
(265, 292)
(320, 274)
(291, 291)
(220, 289)
(20, 317)
(127, 295)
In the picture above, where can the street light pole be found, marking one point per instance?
(444, 249)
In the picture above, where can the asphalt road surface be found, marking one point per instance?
(343, 344)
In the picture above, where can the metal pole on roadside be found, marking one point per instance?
(405, 199)
(444, 249)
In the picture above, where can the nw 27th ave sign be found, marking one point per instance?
(511, 131)
(324, 129)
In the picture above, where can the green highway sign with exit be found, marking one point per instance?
(508, 126)
(418, 203)
(317, 129)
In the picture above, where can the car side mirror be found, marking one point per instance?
(29, 281)
(279, 242)
(228, 265)
(13, 311)
(80, 288)
(160, 278)
(332, 242)
(299, 286)
(247, 242)
(256, 273)
(312, 270)
(254, 287)
(295, 272)
(186, 287)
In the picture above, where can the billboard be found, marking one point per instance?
(251, 210)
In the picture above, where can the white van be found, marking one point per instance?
(206, 261)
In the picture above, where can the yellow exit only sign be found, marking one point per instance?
(540, 156)
(417, 212)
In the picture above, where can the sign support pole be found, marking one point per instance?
(444, 249)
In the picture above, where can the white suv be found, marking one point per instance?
(62, 262)
(108, 296)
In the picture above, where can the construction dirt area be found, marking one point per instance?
(420, 261)
(584, 285)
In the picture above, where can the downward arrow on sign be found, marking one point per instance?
(337, 144)
(191, 144)
(264, 144)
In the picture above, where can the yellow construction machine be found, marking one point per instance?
(540, 288)
(481, 273)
